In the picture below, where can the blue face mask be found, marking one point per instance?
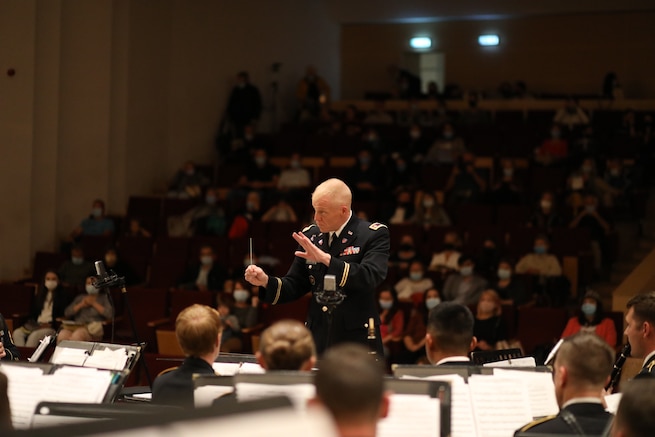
(386, 304)
(432, 302)
(540, 250)
(416, 276)
(588, 309)
(77, 260)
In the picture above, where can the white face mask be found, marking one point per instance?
(90, 289)
(241, 295)
(206, 260)
(50, 284)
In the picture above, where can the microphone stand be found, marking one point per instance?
(330, 298)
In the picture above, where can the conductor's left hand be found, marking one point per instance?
(311, 253)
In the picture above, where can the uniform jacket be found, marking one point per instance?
(8, 342)
(176, 386)
(359, 261)
(649, 367)
(592, 419)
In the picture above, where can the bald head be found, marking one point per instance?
(336, 190)
(331, 201)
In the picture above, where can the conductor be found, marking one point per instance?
(356, 252)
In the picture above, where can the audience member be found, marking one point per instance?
(486, 262)
(97, 224)
(592, 319)
(587, 179)
(406, 85)
(207, 218)
(489, 328)
(231, 335)
(417, 145)
(392, 321)
(465, 185)
(115, 264)
(449, 338)
(619, 180)
(246, 305)
(590, 218)
(244, 105)
(294, 177)
(635, 416)
(539, 263)
(350, 384)
(352, 125)
(406, 254)
(73, 273)
(49, 304)
(429, 212)
(448, 259)
(511, 290)
(415, 283)
(447, 148)
(545, 216)
(553, 149)
(251, 212)
(378, 115)
(313, 92)
(464, 286)
(87, 311)
(136, 229)
(414, 335)
(365, 177)
(508, 189)
(260, 173)
(198, 331)
(571, 115)
(401, 174)
(286, 345)
(188, 182)
(640, 330)
(582, 368)
(404, 209)
(8, 350)
(432, 92)
(280, 212)
(204, 275)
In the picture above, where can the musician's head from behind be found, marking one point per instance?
(287, 345)
(582, 367)
(640, 324)
(350, 384)
(449, 332)
(634, 417)
(198, 330)
(331, 201)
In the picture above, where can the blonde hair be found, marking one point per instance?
(286, 345)
(197, 328)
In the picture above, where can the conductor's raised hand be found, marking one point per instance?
(256, 276)
(311, 252)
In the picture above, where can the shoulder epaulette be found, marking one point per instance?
(307, 228)
(375, 226)
(537, 422)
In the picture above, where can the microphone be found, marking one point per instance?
(329, 295)
(106, 280)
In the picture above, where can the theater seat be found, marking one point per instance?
(540, 328)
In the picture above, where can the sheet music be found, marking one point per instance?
(539, 387)
(415, 415)
(43, 344)
(299, 394)
(501, 406)
(462, 423)
(107, 359)
(69, 355)
(230, 369)
(251, 368)
(24, 393)
(514, 362)
(612, 402)
(204, 396)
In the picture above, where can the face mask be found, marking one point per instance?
(365, 160)
(448, 246)
(540, 250)
(587, 168)
(415, 135)
(577, 183)
(250, 206)
(615, 172)
(386, 304)
(428, 203)
(546, 204)
(210, 200)
(588, 309)
(206, 260)
(508, 172)
(372, 138)
(90, 289)
(590, 208)
(448, 135)
(260, 161)
(241, 295)
(77, 260)
(432, 302)
(486, 307)
(401, 167)
(416, 276)
(406, 247)
(504, 273)
(295, 163)
(190, 172)
(96, 212)
(466, 271)
(50, 284)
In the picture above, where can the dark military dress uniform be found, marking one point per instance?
(359, 263)
(648, 369)
(11, 350)
(176, 387)
(584, 418)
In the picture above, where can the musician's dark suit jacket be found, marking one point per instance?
(592, 419)
(359, 262)
(176, 386)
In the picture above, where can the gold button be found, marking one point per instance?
(324, 308)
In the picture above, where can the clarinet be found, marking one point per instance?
(618, 365)
(372, 343)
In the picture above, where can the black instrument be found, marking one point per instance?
(618, 365)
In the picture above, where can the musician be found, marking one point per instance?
(634, 417)
(640, 330)
(198, 331)
(286, 345)
(8, 350)
(582, 368)
(357, 256)
(350, 384)
(449, 337)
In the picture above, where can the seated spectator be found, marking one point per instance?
(73, 273)
(436, 118)
(432, 92)
(286, 345)
(586, 179)
(246, 305)
(241, 222)
(464, 286)
(392, 321)
(554, 149)
(448, 259)
(404, 208)
(409, 114)
(465, 185)
(136, 229)
(585, 145)
(417, 145)
(350, 385)
(489, 328)
(401, 175)
(591, 318)
(508, 189)
(447, 148)
(352, 125)
(294, 177)
(571, 115)
(510, 290)
(313, 92)
(429, 212)
(49, 304)
(207, 219)
(415, 283)
(487, 260)
(365, 178)
(87, 311)
(96, 224)
(198, 331)
(188, 182)
(473, 115)
(280, 212)
(414, 335)
(634, 417)
(589, 218)
(260, 173)
(545, 216)
(539, 263)
(617, 177)
(204, 275)
(378, 115)
(449, 338)
(406, 253)
(231, 336)
(115, 264)
(8, 350)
